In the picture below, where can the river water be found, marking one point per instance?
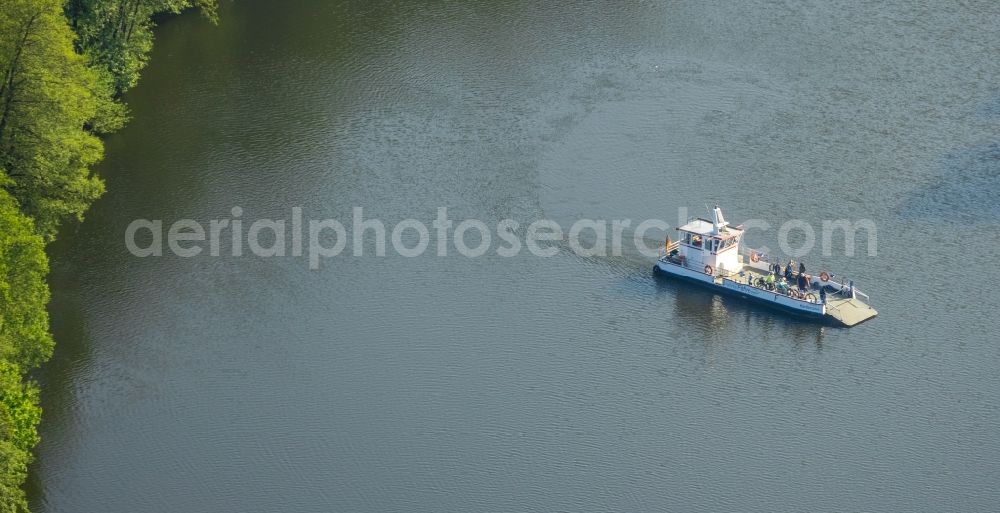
(537, 384)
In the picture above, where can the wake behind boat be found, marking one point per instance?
(710, 253)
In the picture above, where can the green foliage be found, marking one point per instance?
(24, 322)
(58, 90)
(19, 416)
(25, 342)
(48, 98)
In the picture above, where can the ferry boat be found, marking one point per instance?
(710, 253)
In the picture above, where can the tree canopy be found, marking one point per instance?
(19, 414)
(51, 105)
(25, 342)
(24, 322)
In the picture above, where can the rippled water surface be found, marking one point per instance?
(537, 384)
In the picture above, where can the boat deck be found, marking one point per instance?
(849, 311)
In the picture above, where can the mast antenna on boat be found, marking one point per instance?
(718, 222)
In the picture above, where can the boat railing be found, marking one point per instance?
(747, 252)
(738, 277)
(724, 273)
(846, 288)
(666, 250)
(669, 247)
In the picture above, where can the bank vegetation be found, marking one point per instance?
(64, 66)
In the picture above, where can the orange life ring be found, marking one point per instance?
(708, 269)
(754, 257)
(825, 276)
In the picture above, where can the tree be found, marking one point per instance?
(51, 103)
(24, 343)
(19, 415)
(24, 322)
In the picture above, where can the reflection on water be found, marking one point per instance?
(717, 317)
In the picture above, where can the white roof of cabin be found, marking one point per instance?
(704, 227)
(699, 226)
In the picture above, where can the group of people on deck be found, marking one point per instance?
(789, 274)
(780, 279)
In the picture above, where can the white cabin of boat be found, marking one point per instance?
(708, 253)
(711, 244)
